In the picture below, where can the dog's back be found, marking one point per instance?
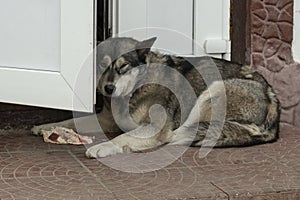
(252, 109)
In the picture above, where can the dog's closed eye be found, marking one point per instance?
(123, 68)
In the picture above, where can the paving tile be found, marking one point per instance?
(273, 196)
(29, 142)
(47, 175)
(165, 183)
(32, 169)
(63, 187)
(287, 150)
(171, 182)
(251, 171)
(251, 179)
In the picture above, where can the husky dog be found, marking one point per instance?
(186, 109)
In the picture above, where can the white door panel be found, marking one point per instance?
(30, 34)
(169, 20)
(175, 16)
(50, 88)
(212, 19)
(182, 26)
(296, 28)
(131, 18)
(53, 66)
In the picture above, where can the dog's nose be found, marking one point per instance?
(109, 89)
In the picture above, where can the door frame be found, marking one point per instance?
(240, 31)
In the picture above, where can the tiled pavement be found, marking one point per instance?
(31, 169)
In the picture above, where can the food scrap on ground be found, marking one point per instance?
(61, 135)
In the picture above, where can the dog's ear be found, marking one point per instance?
(144, 47)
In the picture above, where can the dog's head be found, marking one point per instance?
(118, 61)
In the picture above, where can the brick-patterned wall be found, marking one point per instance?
(271, 55)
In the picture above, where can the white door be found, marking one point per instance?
(187, 27)
(296, 27)
(45, 53)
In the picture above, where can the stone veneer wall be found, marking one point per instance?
(271, 38)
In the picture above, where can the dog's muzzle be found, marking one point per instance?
(109, 89)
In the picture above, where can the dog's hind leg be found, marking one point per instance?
(201, 112)
(244, 123)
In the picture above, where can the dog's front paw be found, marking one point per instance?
(37, 130)
(102, 150)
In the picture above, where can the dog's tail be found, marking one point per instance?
(230, 134)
